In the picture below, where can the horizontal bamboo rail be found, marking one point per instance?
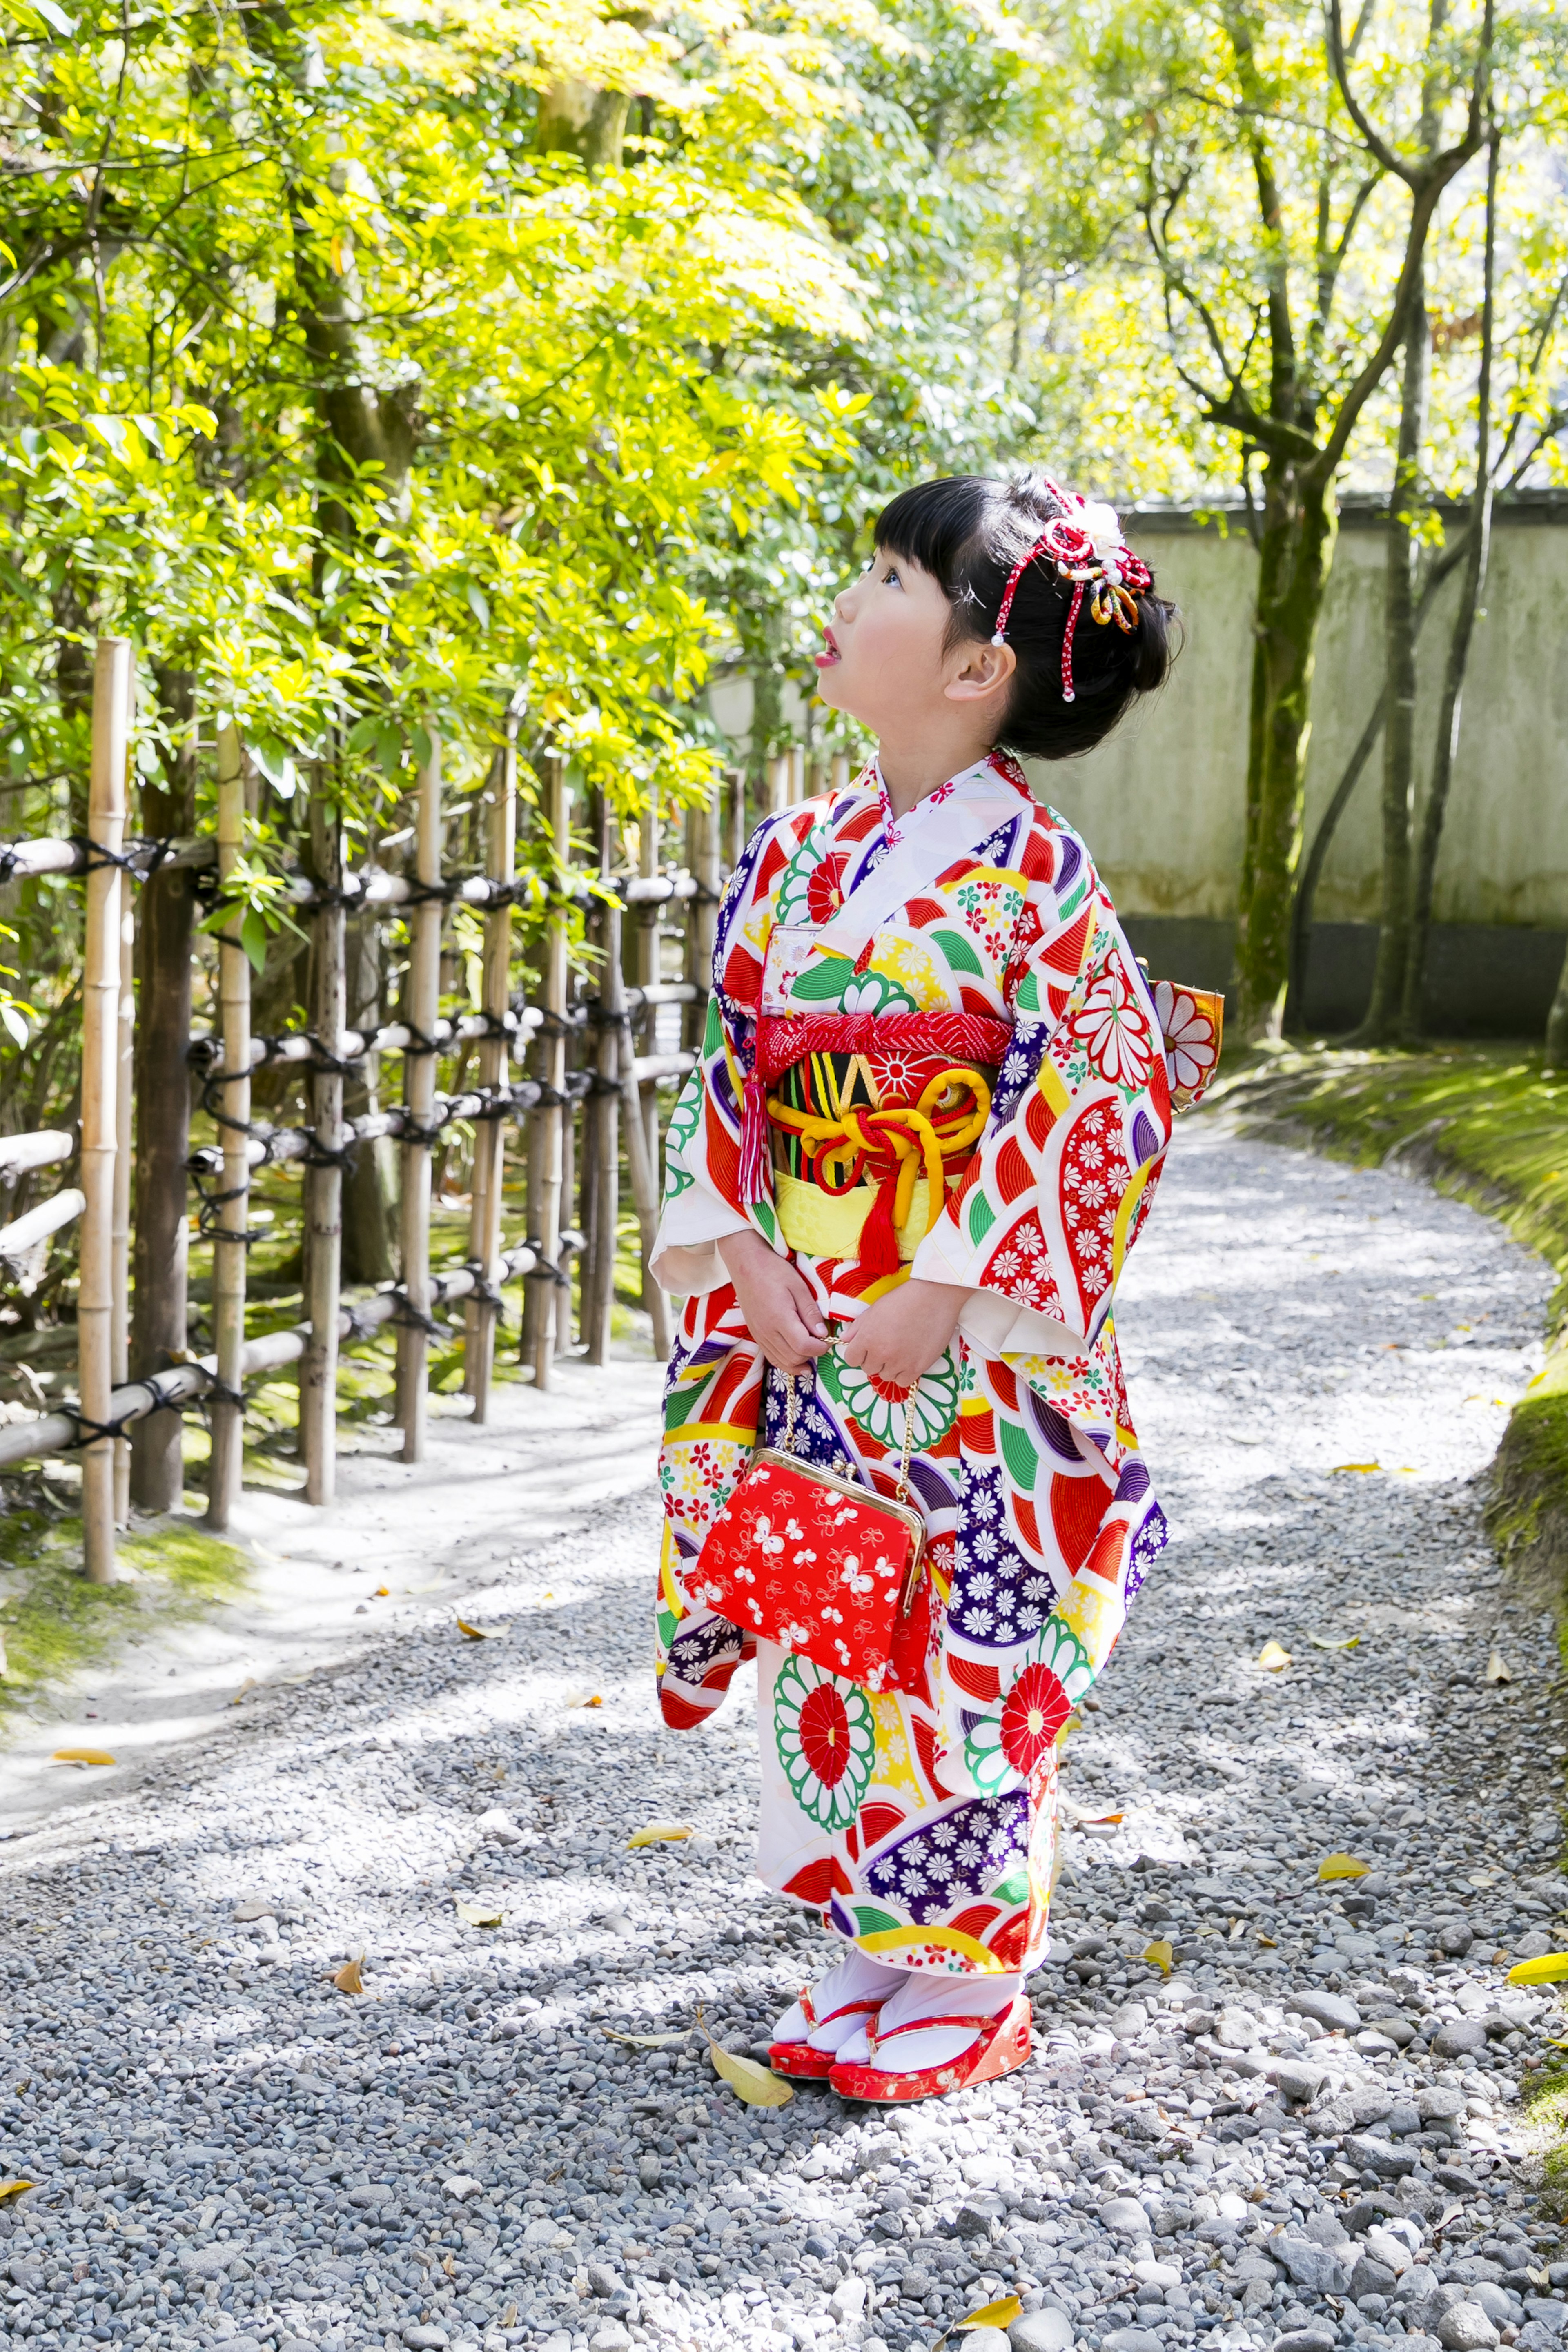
(41, 1149)
(60, 1209)
(55, 1433)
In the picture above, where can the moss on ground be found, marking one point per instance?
(1482, 1123)
(54, 1625)
(1545, 2102)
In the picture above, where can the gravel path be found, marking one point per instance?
(1307, 2135)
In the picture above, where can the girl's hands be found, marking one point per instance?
(901, 1335)
(781, 1314)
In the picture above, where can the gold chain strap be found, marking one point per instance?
(793, 1406)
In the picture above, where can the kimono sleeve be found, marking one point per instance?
(1054, 1197)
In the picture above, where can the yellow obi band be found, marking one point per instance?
(829, 1225)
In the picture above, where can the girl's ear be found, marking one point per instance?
(984, 670)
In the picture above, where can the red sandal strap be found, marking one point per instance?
(919, 2024)
(850, 2008)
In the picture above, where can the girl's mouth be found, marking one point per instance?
(829, 654)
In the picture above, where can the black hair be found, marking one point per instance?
(968, 531)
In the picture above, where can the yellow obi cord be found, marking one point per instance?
(893, 1147)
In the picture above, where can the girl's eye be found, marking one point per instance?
(890, 577)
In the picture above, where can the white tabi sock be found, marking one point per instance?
(919, 1995)
(855, 1978)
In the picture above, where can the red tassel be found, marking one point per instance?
(879, 1238)
(754, 1154)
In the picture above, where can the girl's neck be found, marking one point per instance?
(910, 775)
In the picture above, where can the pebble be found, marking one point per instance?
(1466, 2328)
(1046, 2330)
(232, 2154)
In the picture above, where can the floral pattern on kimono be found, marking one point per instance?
(921, 1820)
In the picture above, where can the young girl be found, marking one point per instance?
(932, 944)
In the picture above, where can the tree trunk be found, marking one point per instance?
(370, 1187)
(1300, 528)
(1472, 586)
(163, 1097)
(1557, 1060)
(576, 119)
(1380, 1021)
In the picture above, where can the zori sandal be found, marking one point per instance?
(1003, 2044)
(798, 2058)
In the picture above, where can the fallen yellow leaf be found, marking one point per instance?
(249, 1684)
(1550, 1969)
(989, 2314)
(1320, 1643)
(481, 1915)
(583, 1698)
(1162, 1956)
(645, 2041)
(474, 1633)
(1343, 1865)
(9, 2188)
(1497, 1668)
(659, 1833)
(82, 1755)
(1274, 1657)
(348, 1978)
(382, 1593)
(1272, 1942)
(1360, 1469)
(758, 2086)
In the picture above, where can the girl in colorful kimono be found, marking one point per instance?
(924, 1131)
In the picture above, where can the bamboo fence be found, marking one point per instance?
(581, 1070)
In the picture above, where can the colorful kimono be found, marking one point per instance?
(929, 1050)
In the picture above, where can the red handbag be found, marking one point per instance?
(815, 1562)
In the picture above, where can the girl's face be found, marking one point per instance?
(883, 659)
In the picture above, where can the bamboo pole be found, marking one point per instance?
(228, 1279)
(736, 817)
(424, 1006)
(544, 1200)
(702, 918)
(125, 1138)
(639, 1103)
(490, 1134)
(99, 1060)
(841, 771)
(602, 1110)
(797, 775)
(324, 1180)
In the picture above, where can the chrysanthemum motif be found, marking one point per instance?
(1011, 1744)
(826, 1741)
(882, 1417)
(1189, 1037)
(1113, 1030)
(811, 888)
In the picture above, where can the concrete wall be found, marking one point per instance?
(1162, 804)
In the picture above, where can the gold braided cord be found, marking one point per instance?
(920, 1137)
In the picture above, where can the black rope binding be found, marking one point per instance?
(321, 1155)
(410, 1318)
(89, 1432)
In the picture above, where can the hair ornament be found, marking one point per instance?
(1086, 545)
